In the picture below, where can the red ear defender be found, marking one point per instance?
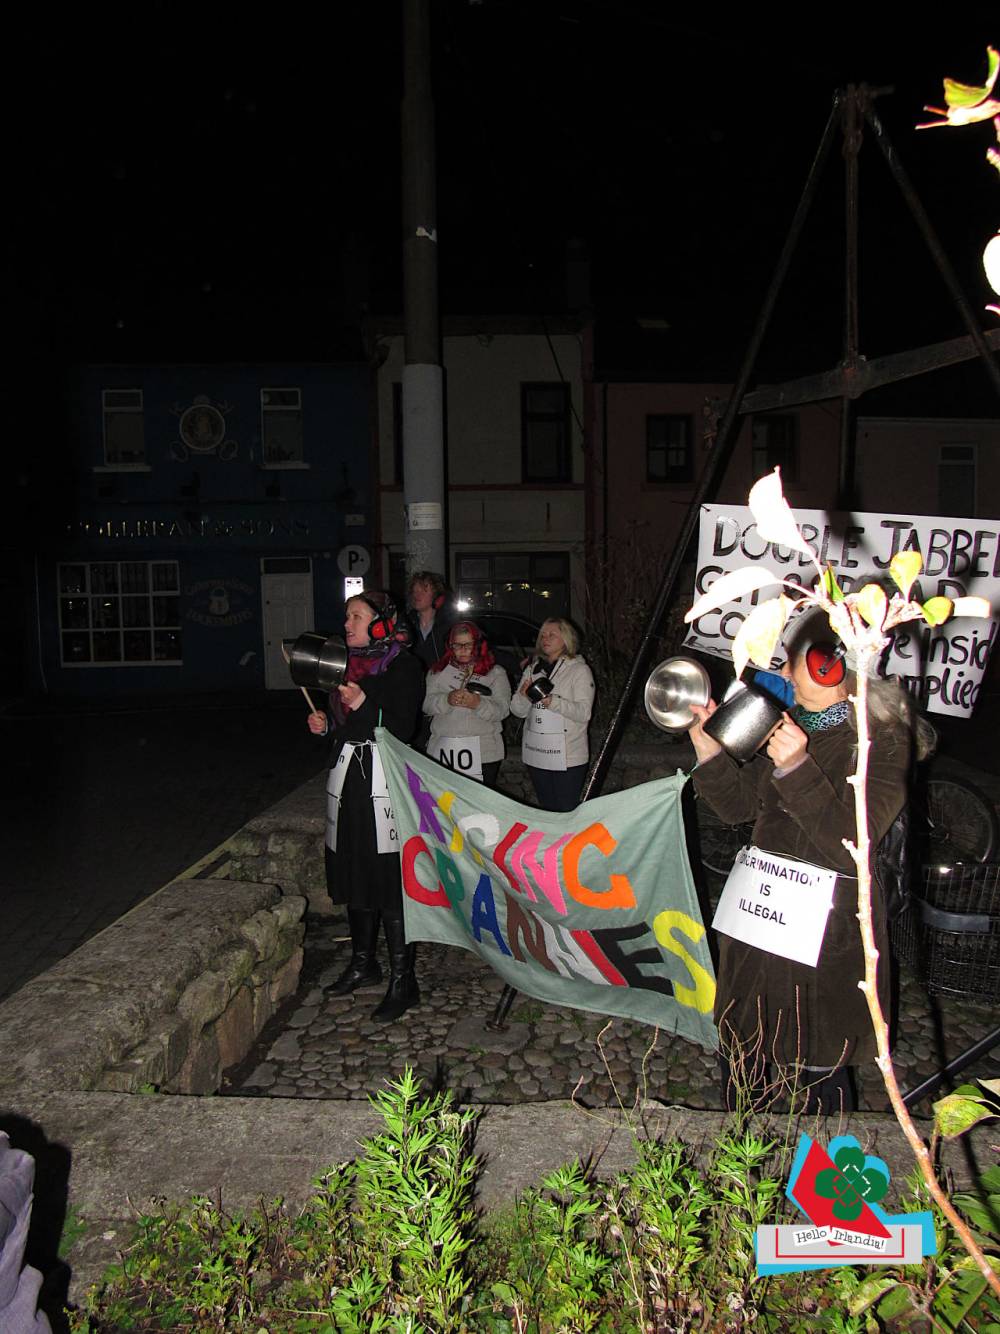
(825, 664)
(382, 626)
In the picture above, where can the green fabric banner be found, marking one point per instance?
(594, 908)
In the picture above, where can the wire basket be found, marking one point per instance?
(950, 935)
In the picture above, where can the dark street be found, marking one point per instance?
(109, 801)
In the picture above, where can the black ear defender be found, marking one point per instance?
(825, 663)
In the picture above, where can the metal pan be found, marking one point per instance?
(317, 660)
(671, 689)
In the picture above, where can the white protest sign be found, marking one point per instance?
(776, 904)
(543, 741)
(943, 666)
(461, 753)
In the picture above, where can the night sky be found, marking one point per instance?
(222, 181)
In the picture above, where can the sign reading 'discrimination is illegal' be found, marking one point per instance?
(776, 904)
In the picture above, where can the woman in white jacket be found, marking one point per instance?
(554, 745)
(467, 699)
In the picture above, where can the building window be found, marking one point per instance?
(281, 431)
(534, 586)
(669, 455)
(957, 480)
(122, 613)
(776, 445)
(124, 433)
(397, 434)
(545, 433)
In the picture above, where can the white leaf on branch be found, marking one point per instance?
(731, 586)
(775, 521)
(756, 638)
(971, 607)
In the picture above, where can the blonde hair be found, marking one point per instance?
(568, 631)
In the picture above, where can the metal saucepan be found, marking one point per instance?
(317, 660)
(539, 689)
(477, 688)
(672, 688)
(746, 718)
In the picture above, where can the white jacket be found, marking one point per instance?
(483, 722)
(572, 697)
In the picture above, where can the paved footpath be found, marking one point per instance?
(108, 800)
(323, 1046)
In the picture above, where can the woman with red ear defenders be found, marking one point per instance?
(383, 680)
(811, 1023)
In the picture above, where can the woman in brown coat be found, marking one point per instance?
(776, 1012)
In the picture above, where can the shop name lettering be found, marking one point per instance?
(500, 914)
(170, 528)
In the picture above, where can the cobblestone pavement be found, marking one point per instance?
(323, 1046)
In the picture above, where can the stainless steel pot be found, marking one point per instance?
(744, 721)
(317, 660)
(671, 689)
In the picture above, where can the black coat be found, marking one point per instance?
(816, 1016)
(357, 874)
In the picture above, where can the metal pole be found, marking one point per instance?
(954, 1067)
(713, 468)
(423, 382)
(851, 148)
(934, 246)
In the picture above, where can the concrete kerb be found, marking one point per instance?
(130, 1150)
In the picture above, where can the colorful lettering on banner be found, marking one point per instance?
(944, 665)
(593, 908)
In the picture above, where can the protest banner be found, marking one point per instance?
(593, 908)
(943, 667)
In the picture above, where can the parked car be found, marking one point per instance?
(511, 637)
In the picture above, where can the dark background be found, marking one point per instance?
(221, 182)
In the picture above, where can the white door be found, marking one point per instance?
(287, 600)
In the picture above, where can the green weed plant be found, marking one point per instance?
(392, 1242)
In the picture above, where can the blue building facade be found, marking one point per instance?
(215, 511)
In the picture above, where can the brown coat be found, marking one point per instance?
(816, 1016)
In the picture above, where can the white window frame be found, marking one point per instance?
(138, 410)
(275, 408)
(121, 628)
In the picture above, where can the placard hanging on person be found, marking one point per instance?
(593, 908)
(777, 904)
(943, 667)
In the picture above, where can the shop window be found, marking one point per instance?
(545, 434)
(776, 445)
(120, 613)
(669, 456)
(281, 430)
(957, 480)
(124, 431)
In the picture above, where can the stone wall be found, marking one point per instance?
(168, 996)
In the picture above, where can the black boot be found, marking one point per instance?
(363, 967)
(403, 990)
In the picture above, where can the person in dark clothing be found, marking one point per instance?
(776, 1011)
(383, 686)
(429, 616)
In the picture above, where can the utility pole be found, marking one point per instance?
(423, 387)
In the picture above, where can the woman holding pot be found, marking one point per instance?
(556, 697)
(383, 686)
(772, 1010)
(467, 699)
